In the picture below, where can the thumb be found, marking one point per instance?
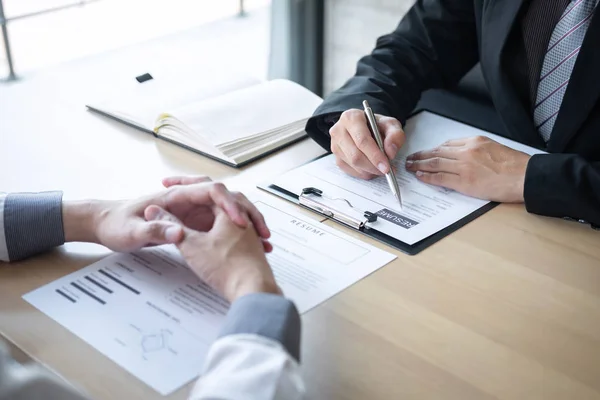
(225, 227)
(161, 227)
(393, 134)
(222, 220)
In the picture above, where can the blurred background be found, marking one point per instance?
(315, 43)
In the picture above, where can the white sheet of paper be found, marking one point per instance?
(141, 104)
(426, 209)
(248, 112)
(151, 315)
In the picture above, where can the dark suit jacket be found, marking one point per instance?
(435, 44)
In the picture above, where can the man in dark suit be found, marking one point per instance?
(541, 62)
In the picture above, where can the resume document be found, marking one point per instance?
(149, 313)
(426, 209)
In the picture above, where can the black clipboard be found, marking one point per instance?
(374, 234)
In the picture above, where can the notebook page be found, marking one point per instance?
(248, 112)
(141, 104)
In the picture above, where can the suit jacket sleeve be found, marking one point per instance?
(257, 354)
(434, 45)
(563, 185)
(30, 223)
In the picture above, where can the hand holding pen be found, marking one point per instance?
(390, 176)
(357, 152)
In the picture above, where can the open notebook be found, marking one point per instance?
(236, 127)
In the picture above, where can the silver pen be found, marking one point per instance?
(390, 176)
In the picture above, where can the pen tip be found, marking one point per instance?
(365, 104)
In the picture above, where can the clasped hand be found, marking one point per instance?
(221, 234)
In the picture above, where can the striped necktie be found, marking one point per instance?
(559, 61)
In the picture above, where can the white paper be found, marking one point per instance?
(426, 209)
(248, 112)
(160, 321)
(142, 103)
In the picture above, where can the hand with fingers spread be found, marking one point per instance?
(355, 149)
(121, 226)
(229, 258)
(477, 166)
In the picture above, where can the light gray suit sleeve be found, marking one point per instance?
(3, 249)
(257, 355)
(267, 315)
(30, 223)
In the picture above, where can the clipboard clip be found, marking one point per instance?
(309, 196)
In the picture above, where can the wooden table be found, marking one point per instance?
(508, 307)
